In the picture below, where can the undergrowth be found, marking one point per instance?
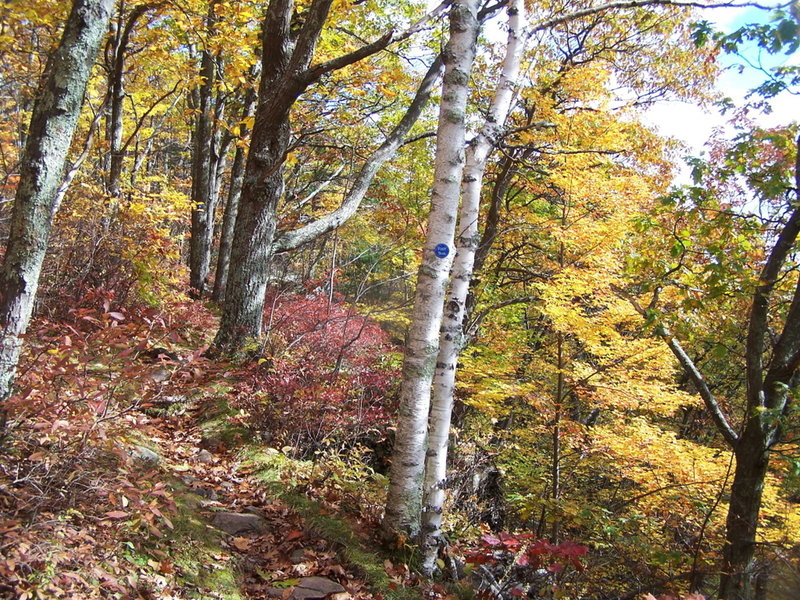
(340, 501)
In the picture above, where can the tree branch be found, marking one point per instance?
(786, 355)
(691, 370)
(564, 18)
(75, 167)
(313, 74)
(293, 239)
(140, 122)
(308, 36)
(758, 321)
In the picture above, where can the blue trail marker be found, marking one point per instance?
(441, 250)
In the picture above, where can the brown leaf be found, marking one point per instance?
(241, 543)
(293, 535)
(117, 514)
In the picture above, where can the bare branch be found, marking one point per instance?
(314, 73)
(75, 167)
(691, 370)
(293, 239)
(319, 188)
(140, 122)
(564, 18)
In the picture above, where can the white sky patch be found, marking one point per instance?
(694, 125)
(689, 123)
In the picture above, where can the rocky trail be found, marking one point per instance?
(278, 554)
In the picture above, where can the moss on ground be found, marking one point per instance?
(284, 477)
(190, 556)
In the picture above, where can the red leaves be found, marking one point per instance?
(693, 596)
(325, 371)
(526, 550)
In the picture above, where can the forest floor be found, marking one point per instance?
(127, 474)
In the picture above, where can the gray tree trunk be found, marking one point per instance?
(232, 202)
(450, 338)
(286, 74)
(116, 92)
(404, 500)
(204, 156)
(53, 123)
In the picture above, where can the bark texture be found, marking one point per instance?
(451, 337)
(208, 152)
(52, 126)
(404, 501)
(116, 91)
(284, 60)
(232, 205)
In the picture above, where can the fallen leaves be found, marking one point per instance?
(241, 543)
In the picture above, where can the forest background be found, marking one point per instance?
(302, 256)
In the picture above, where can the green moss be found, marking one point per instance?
(203, 568)
(285, 477)
(350, 547)
(216, 424)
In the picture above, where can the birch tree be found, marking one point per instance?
(404, 499)
(451, 338)
(52, 127)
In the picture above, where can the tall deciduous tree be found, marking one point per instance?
(115, 64)
(234, 193)
(287, 72)
(53, 122)
(771, 369)
(403, 504)
(208, 102)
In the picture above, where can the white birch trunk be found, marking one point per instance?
(53, 123)
(404, 501)
(450, 340)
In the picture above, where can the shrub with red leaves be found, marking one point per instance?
(520, 564)
(329, 375)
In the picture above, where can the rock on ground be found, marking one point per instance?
(315, 588)
(236, 523)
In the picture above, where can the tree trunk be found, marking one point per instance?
(286, 74)
(451, 338)
(53, 123)
(738, 575)
(116, 92)
(203, 167)
(228, 222)
(254, 230)
(771, 385)
(404, 501)
(232, 205)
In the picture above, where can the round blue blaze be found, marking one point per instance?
(441, 250)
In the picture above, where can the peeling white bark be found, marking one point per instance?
(450, 340)
(404, 499)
